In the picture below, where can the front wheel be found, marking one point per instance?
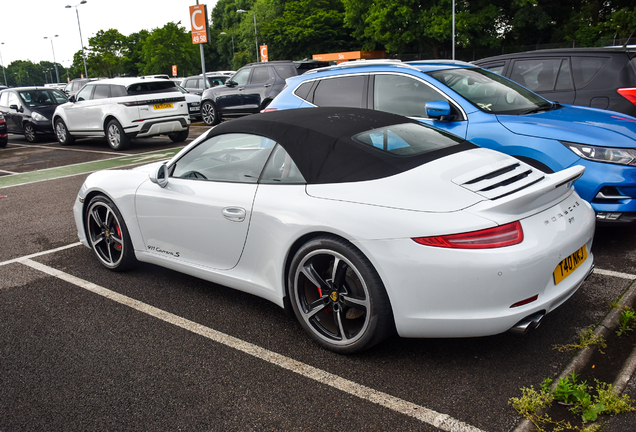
(108, 235)
(62, 134)
(338, 297)
(29, 133)
(116, 137)
(209, 113)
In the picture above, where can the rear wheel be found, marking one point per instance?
(62, 134)
(116, 137)
(179, 136)
(29, 133)
(108, 235)
(210, 114)
(338, 297)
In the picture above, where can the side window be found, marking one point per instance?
(403, 95)
(260, 75)
(237, 158)
(286, 71)
(198, 84)
(187, 84)
(537, 74)
(497, 68)
(4, 99)
(564, 80)
(117, 91)
(585, 68)
(281, 169)
(85, 93)
(101, 92)
(241, 76)
(342, 91)
(303, 90)
(14, 100)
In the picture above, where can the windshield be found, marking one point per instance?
(492, 93)
(41, 97)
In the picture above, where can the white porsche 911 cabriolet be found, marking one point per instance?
(361, 222)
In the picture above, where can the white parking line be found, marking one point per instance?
(72, 149)
(441, 421)
(423, 414)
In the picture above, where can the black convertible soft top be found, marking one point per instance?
(321, 142)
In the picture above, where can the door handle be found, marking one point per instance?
(234, 214)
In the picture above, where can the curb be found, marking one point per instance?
(608, 324)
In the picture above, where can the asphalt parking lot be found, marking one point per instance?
(83, 348)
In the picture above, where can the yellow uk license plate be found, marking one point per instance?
(568, 265)
(163, 106)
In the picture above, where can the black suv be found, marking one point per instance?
(595, 77)
(248, 91)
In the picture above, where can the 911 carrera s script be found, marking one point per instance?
(162, 251)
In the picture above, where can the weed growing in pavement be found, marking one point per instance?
(569, 391)
(627, 315)
(586, 338)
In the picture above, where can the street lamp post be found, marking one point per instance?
(255, 36)
(80, 32)
(3, 70)
(57, 75)
(223, 33)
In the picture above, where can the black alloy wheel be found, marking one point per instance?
(209, 113)
(108, 235)
(338, 296)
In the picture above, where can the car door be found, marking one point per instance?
(75, 112)
(260, 81)
(230, 98)
(12, 112)
(201, 217)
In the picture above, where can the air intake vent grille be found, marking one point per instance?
(499, 179)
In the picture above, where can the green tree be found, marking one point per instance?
(106, 53)
(307, 27)
(167, 46)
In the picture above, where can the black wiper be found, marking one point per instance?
(545, 107)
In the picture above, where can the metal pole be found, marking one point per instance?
(453, 29)
(57, 75)
(205, 78)
(81, 42)
(256, 37)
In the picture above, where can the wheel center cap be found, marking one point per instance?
(334, 296)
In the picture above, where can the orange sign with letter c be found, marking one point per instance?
(198, 20)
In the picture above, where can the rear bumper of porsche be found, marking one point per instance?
(439, 292)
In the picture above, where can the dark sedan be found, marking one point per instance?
(28, 110)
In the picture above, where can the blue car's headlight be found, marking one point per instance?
(621, 156)
(38, 117)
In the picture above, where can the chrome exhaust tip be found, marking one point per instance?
(530, 322)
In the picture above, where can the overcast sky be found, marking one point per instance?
(25, 23)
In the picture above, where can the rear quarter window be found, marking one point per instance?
(286, 71)
(586, 68)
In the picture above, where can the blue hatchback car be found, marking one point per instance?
(493, 112)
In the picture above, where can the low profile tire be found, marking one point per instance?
(117, 139)
(62, 134)
(179, 136)
(29, 133)
(210, 114)
(338, 297)
(108, 235)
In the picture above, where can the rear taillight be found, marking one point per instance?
(501, 236)
(628, 93)
(269, 110)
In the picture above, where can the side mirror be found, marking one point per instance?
(160, 176)
(72, 98)
(17, 108)
(231, 83)
(438, 110)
